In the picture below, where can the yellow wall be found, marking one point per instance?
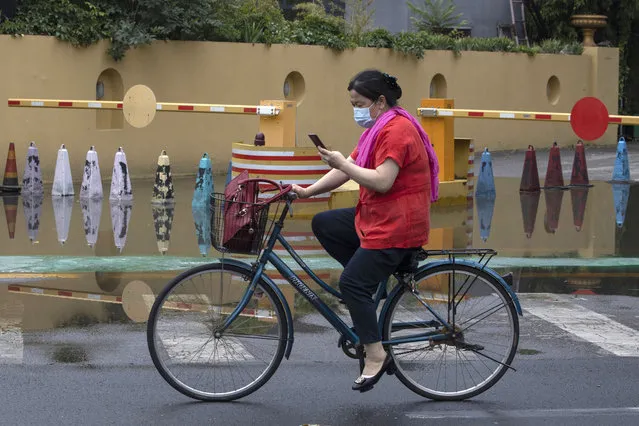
(203, 72)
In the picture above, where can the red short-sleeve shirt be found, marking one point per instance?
(400, 218)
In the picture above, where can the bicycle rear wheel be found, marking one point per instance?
(190, 350)
(474, 356)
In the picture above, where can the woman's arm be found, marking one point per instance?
(331, 180)
(380, 179)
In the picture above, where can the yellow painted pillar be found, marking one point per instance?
(279, 130)
(441, 131)
(440, 239)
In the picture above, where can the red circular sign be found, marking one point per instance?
(589, 118)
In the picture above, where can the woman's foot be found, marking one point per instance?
(377, 361)
(375, 356)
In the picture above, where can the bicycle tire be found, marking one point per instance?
(405, 377)
(155, 347)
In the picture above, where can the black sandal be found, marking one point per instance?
(363, 383)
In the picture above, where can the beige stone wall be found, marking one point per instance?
(42, 67)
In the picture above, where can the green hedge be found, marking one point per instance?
(128, 24)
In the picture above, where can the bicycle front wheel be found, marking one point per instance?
(192, 351)
(465, 359)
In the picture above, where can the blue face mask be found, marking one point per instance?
(363, 117)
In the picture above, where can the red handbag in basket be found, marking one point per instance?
(244, 214)
(239, 212)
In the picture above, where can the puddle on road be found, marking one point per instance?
(68, 265)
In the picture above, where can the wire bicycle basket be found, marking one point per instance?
(247, 239)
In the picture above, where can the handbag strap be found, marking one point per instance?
(282, 190)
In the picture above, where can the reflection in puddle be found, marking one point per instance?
(120, 217)
(529, 204)
(62, 209)
(32, 208)
(137, 300)
(10, 212)
(620, 193)
(163, 221)
(578, 198)
(485, 208)
(553, 198)
(587, 229)
(202, 220)
(494, 223)
(91, 214)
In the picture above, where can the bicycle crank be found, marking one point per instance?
(347, 347)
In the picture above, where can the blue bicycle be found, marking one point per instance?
(218, 332)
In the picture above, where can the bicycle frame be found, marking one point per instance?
(269, 256)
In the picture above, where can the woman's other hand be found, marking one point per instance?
(301, 192)
(335, 159)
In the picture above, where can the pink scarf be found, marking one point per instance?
(367, 141)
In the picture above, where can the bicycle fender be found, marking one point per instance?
(508, 288)
(489, 271)
(282, 300)
(433, 264)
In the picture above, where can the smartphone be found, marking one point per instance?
(316, 140)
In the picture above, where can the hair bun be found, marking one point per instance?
(391, 82)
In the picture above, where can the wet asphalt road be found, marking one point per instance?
(561, 379)
(581, 391)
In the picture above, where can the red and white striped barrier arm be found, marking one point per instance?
(161, 106)
(515, 115)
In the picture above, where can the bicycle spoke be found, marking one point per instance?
(492, 359)
(250, 336)
(488, 313)
(196, 362)
(482, 321)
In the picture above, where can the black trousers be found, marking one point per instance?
(363, 268)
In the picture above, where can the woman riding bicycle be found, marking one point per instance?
(396, 168)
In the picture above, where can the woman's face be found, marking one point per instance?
(376, 107)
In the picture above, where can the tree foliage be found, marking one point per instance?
(550, 19)
(360, 18)
(437, 16)
(128, 24)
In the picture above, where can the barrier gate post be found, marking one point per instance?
(441, 131)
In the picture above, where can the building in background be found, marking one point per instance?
(486, 18)
(7, 9)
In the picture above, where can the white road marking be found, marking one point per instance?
(588, 325)
(200, 347)
(11, 339)
(11, 344)
(535, 412)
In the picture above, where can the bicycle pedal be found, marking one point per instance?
(391, 369)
